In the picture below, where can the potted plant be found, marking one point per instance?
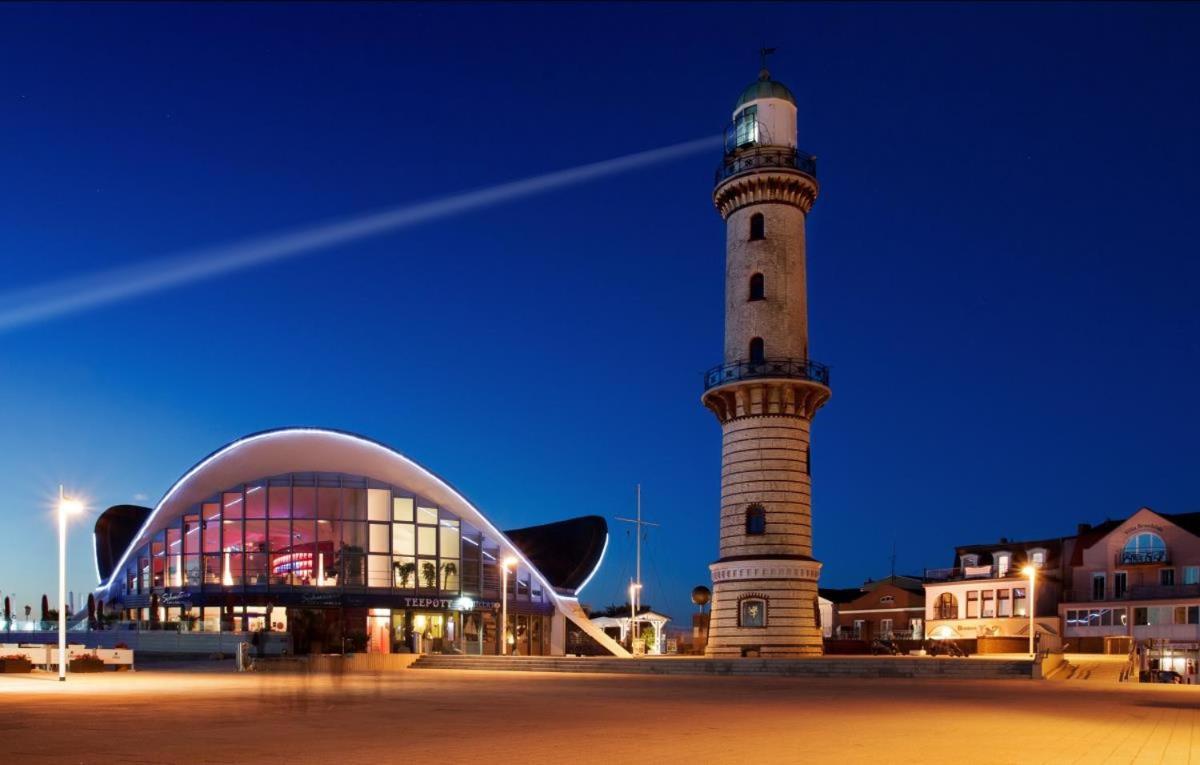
(429, 574)
(88, 662)
(15, 663)
(404, 572)
(448, 570)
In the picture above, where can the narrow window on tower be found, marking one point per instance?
(757, 288)
(756, 520)
(752, 612)
(757, 353)
(757, 227)
(808, 460)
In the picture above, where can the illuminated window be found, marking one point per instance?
(756, 520)
(745, 126)
(1146, 547)
(757, 227)
(752, 612)
(758, 353)
(946, 606)
(757, 288)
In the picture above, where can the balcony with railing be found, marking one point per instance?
(766, 157)
(794, 369)
(1142, 558)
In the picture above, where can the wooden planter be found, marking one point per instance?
(16, 665)
(86, 664)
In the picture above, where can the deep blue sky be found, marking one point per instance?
(1002, 262)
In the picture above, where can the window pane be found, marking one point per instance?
(427, 515)
(256, 501)
(427, 540)
(211, 528)
(231, 502)
(404, 539)
(354, 535)
(191, 534)
(377, 504)
(379, 571)
(404, 572)
(328, 542)
(302, 562)
(256, 552)
(402, 509)
(379, 537)
(279, 502)
(304, 502)
(427, 569)
(450, 575)
(354, 504)
(328, 502)
(449, 547)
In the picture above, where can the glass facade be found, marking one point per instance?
(251, 554)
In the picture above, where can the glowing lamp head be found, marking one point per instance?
(508, 562)
(1029, 571)
(69, 506)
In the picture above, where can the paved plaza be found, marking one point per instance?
(210, 714)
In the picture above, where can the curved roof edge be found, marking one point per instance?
(568, 552)
(114, 532)
(460, 504)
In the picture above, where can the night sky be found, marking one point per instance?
(1003, 271)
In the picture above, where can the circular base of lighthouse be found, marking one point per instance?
(764, 607)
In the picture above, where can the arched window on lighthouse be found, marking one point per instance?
(758, 353)
(756, 520)
(758, 289)
(758, 227)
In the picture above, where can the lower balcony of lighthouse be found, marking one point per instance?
(778, 386)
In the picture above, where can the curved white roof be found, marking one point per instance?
(301, 450)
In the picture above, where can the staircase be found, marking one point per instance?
(830, 666)
(1094, 668)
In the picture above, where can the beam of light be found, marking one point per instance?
(48, 301)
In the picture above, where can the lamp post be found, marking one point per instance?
(66, 507)
(633, 593)
(1031, 572)
(504, 565)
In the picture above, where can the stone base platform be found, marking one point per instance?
(1006, 668)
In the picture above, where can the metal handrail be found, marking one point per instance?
(795, 369)
(742, 160)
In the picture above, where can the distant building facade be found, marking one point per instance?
(1137, 583)
(890, 609)
(985, 593)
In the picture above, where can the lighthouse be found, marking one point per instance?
(767, 389)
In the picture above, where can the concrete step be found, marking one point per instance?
(815, 667)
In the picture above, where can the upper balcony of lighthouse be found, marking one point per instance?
(762, 133)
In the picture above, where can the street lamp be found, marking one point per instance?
(504, 566)
(66, 506)
(1031, 572)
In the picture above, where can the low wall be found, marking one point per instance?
(1002, 644)
(161, 642)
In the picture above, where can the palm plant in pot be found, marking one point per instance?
(404, 572)
(429, 574)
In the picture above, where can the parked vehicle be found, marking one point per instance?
(943, 648)
(881, 647)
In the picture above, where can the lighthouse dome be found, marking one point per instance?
(765, 87)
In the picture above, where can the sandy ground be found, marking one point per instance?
(208, 714)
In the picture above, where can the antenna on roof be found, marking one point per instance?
(763, 52)
(893, 577)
